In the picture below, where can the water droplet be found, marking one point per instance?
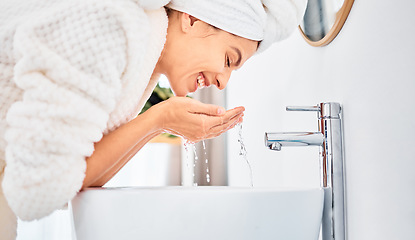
(206, 161)
(187, 146)
(243, 153)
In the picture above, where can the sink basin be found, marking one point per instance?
(203, 213)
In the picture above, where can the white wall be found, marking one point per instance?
(370, 69)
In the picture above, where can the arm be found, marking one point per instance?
(117, 148)
(185, 117)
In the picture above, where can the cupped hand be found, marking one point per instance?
(196, 121)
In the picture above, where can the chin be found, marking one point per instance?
(178, 89)
(178, 93)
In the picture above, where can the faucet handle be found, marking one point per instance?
(303, 108)
(326, 110)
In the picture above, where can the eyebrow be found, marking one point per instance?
(239, 56)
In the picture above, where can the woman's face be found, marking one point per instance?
(201, 56)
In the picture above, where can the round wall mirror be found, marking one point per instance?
(323, 20)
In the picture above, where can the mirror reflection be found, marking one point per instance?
(323, 20)
(319, 18)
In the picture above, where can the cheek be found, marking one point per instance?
(175, 83)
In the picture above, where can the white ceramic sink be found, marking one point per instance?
(200, 213)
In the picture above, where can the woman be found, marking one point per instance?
(74, 75)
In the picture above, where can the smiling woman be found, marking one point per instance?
(212, 56)
(75, 74)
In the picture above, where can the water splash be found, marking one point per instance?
(243, 152)
(189, 146)
(186, 148)
(194, 164)
(207, 162)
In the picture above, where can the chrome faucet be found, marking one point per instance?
(329, 139)
(276, 140)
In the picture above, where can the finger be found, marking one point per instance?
(228, 125)
(206, 109)
(239, 120)
(217, 131)
(229, 116)
(236, 110)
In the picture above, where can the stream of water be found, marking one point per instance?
(242, 152)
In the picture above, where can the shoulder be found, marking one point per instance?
(81, 15)
(85, 34)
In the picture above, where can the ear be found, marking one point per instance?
(187, 21)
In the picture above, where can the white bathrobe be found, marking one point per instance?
(70, 72)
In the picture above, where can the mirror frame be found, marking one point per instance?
(335, 29)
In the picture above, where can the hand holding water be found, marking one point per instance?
(196, 121)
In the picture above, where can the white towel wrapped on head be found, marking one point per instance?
(283, 16)
(152, 4)
(267, 21)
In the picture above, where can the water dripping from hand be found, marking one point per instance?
(243, 152)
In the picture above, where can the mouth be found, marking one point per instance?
(201, 81)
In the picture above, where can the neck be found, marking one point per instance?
(163, 62)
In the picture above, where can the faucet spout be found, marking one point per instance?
(275, 141)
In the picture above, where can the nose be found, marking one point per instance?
(222, 79)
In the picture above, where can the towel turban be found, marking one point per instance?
(267, 21)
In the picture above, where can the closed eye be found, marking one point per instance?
(228, 62)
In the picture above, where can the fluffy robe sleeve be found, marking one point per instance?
(70, 68)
